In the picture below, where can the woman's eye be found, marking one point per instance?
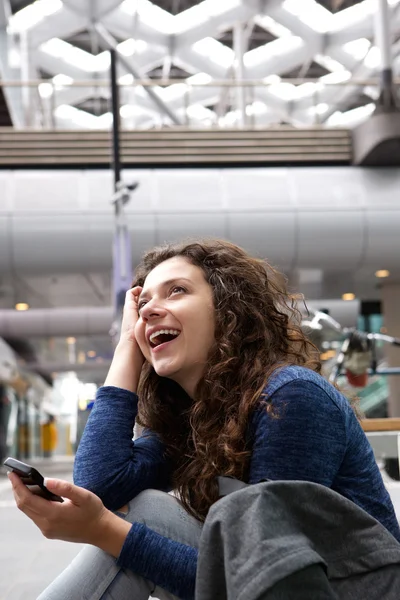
(141, 304)
(177, 289)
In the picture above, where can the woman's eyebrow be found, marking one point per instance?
(166, 284)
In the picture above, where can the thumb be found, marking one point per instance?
(66, 490)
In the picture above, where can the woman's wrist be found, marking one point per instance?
(126, 366)
(110, 533)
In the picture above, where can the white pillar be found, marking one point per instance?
(239, 50)
(25, 72)
(383, 37)
(391, 320)
(383, 40)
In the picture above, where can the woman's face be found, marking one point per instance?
(175, 329)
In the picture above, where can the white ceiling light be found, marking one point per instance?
(271, 79)
(329, 63)
(351, 118)
(199, 79)
(278, 47)
(71, 54)
(131, 46)
(353, 14)
(32, 14)
(215, 51)
(14, 58)
(82, 118)
(319, 109)
(373, 58)
(337, 77)
(130, 110)
(285, 91)
(45, 90)
(310, 13)
(173, 92)
(61, 80)
(257, 108)
(272, 26)
(200, 112)
(358, 48)
(127, 79)
(201, 13)
(101, 62)
(150, 14)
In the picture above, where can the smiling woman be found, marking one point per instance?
(213, 364)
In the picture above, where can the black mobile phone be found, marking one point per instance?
(31, 478)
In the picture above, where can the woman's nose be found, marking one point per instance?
(152, 309)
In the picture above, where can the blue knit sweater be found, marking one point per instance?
(316, 438)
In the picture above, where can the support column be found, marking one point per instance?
(391, 320)
(122, 255)
(240, 91)
(383, 40)
(375, 141)
(25, 72)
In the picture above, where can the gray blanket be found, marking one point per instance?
(273, 536)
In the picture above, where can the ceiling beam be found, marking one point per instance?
(61, 24)
(214, 25)
(12, 95)
(5, 12)
(74, 95)
(119, 24)
(275, 11)
(131, 67)
(363, 27)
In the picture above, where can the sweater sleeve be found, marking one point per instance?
(116, 469)
(304, 439)
(108, 462)
(167, 563)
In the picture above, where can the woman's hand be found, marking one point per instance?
(81, 518)
(130, 315)
(128, 359)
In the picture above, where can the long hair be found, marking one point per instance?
(257, 330)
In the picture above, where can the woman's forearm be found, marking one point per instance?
(126, 366)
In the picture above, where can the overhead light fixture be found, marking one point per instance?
(22, 306)
(71, 340)
(91, 353)
(382, 273)
(348, 296)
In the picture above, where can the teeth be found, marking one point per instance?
(165, 332)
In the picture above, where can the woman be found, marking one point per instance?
(228, 386)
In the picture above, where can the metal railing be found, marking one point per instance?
(216, 104)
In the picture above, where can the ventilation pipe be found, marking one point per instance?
(87, 320)
(53, 322)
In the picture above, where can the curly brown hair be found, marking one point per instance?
(257, 330)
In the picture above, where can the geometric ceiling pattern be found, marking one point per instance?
(203, 47)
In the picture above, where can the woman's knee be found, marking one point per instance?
(164, 514)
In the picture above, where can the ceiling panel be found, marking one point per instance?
(203, 46)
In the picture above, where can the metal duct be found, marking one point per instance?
(85, 320)
(97, 321)
(54, 222)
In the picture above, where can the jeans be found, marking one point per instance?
(94, 574)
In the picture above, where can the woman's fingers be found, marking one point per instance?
(130, 314)
(30, 504)
(78, 519)
(76, 494)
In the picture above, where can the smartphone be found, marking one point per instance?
(31, 478)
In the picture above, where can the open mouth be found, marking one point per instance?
(163, 337)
